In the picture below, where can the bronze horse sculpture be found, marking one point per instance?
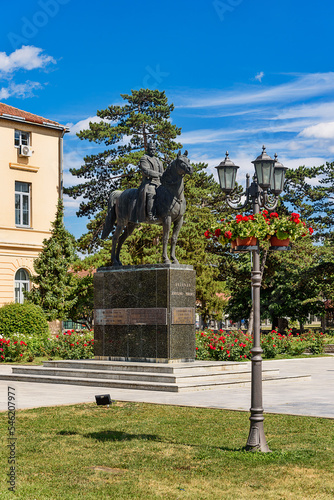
(170, 206)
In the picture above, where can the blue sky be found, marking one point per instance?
(240, 72)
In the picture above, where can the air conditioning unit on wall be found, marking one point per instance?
(25, 151)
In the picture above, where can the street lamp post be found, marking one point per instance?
(263, 192)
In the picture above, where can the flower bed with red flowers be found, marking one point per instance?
(73, 345)
(236, 345)
(223, 346)
(67, 345)
(12, 349)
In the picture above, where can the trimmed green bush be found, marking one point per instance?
(26, 318)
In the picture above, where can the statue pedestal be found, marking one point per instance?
(145, 313)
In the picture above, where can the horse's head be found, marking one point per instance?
(182, 164)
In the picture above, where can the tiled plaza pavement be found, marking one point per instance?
(313, 397)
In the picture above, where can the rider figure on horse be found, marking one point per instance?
(152, 170)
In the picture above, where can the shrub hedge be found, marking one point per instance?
(26, 318)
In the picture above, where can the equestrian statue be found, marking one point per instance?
(159, 200)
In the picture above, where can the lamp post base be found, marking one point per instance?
(256, 439)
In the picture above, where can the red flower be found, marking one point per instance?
(207, 234)
(274, 215)
(57, 336)
(311, 230)
(228, 234)
(21, 354)
(218, 232)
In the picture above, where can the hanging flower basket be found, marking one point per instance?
(247, 232)
(246, 244)
(277, 244)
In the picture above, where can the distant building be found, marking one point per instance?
(31, 155)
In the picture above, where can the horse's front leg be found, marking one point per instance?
(166, 223)
(176, 229)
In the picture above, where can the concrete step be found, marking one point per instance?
(176, 377)
(138, 385)
(184, 377)
(175, 368)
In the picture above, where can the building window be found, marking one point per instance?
(22, 284)
(22, 204)
(21, 138)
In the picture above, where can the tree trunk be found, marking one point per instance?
(250, 322)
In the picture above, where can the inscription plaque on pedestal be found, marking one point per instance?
(145, 313)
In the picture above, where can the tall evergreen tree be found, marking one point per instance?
(53, 283)
(125, 131)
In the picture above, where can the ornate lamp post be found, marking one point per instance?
(263, 192)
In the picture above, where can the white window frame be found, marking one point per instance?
(19, 135)
(21, 285)
(23, 196)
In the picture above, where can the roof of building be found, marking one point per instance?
(11, 113)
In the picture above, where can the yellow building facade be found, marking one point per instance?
(31, 182)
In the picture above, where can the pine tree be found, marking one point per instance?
(126, 131)
(53, 283)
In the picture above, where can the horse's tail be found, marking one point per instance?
(110, 221)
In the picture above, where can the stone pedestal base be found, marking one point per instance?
(145, 313)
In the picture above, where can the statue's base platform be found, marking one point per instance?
(175, 377)
(145, 313)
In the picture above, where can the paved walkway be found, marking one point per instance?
(313, 397)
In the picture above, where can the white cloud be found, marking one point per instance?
(21, 90)
(71, 205)
(84, 124)
(27, 57)
(72, 159)
(319, 131)
(323, 111)
(305, 86)
(259, 76)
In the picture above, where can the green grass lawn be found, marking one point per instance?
(145, 451)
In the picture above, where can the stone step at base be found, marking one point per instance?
(140, 385)
(185, 377)
(132, 366)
